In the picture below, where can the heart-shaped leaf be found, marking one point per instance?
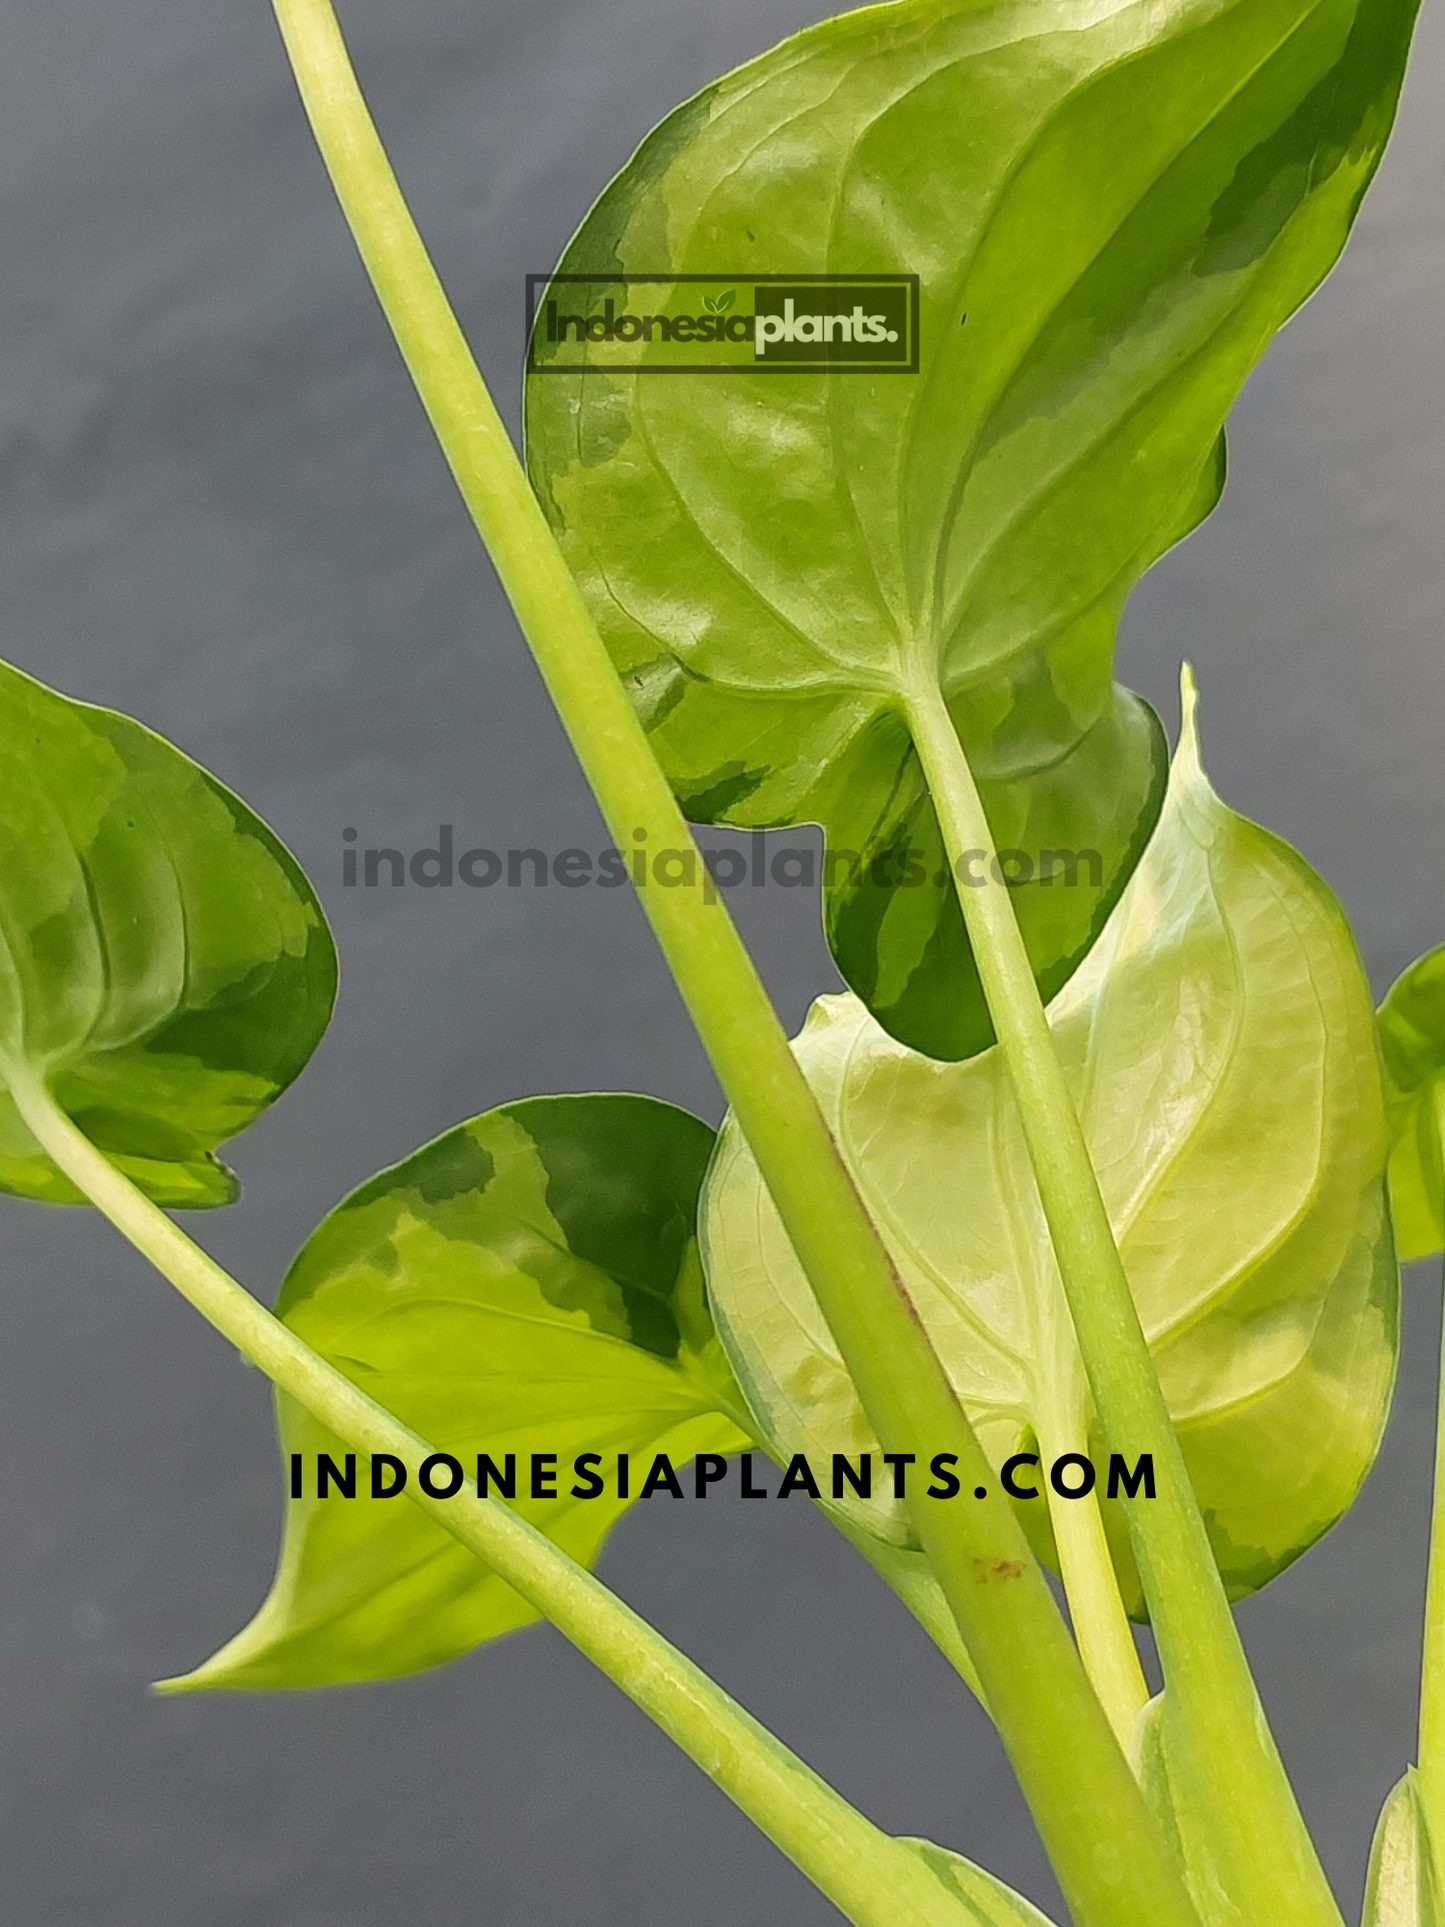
(1110, 210)
(528, 1284)
(1401, 1889)
(1220, 1046)
(1412, 1038)
(164, 966)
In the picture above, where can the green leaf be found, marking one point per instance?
(1220, 1046)
(529, 1283)
(1412, 1038)
(987, 1899)
(1400, 1890)
(165, 967)
(1124, 203)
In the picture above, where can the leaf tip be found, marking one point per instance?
(1186, 758)
(180, 1683)
(211, 1676)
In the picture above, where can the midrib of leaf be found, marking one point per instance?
(865, 673)
(577, 1325)
(904, 626)
(688, 1389)
(144, 1022)
(885, 1214)
(16, 946)
(1259, 1254)
(844, 674)
(1051, 1371)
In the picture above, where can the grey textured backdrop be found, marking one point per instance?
(222, 513)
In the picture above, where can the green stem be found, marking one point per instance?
(873, 1879)
(1091, 1586)
(1069, 1765)
(1432, 1671)
(1228, 1753)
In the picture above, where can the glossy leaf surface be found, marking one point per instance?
(1220, 1045)
(529, 1283)
(1110, 208)
(1400, 1890)
(1412, 1038)
(164, 966)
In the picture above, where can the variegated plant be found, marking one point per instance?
(1102, 1171)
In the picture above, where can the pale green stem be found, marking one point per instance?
(1086, 1566)
(1432, 1672)
(1091, 1586)
(1069, 1765)
(871, 1878)
(1256, 1828)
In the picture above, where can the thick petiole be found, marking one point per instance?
(1101, 1625)
(1432, 1672)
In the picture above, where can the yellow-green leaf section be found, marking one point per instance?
(1220, 1045)
(527, 1284)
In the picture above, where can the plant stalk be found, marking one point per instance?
(1091, 1586)
(873, 1879)
(1256, 1828)
(1070, 1767)
(1432, 1670)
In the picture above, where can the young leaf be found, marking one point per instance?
(1400, 1890)
(1182, 1808)
(1124, 203)
(529, 1283)
(1220, 1046)
(1412, 1038)
(164, 965)
(989, 1901)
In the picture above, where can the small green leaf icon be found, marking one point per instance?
(723, 302)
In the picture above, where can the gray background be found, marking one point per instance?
(222, 513)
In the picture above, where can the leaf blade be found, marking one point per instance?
(1219, 1043)
(772, 562)
(164, 964)
(1412, 1042)
(526, 1283)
